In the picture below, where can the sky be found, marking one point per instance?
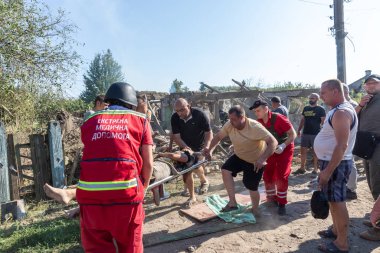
(213, 41)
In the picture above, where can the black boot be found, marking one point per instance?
(281, 209)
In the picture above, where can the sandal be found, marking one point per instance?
(328, 233)
(185, 193)
(204, 188)
(331, 248)
(228, 208)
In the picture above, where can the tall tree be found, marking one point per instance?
(102, 72)
(36, 46)
(37, 58)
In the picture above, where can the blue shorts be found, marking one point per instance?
(335, 189)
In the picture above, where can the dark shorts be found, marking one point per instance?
(307, 140)
(335, 189)
(251, 179)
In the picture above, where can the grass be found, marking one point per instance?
(41, 232)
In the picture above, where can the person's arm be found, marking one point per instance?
(208, 138)
(341, 123)
(147, 167)
(169, 149)
(271, 146)
(207, 152)
(323, 115)
(302, 123)
(291, 133)
(284, 125)
(323, 120)
(206, 126)
(365, 99)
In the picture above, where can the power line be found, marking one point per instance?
(311, 2)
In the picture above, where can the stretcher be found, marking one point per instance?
(175, 174)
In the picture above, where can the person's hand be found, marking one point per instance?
(365, 99)
(324, 177)
(186, 149)
(207, 153)
(299, 133)
(231, 149)
(260, 163)
(280, 148)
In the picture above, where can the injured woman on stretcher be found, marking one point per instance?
(166, 166)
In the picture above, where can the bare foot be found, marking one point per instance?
(190, 202)
(57, 194)
(72, 213)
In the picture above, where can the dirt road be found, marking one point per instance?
(295, 232)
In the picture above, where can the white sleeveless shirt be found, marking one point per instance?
(325, 141)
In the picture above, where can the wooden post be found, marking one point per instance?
(57, 163)
(13, 171)
(40, 165)
(16, 208)
(216, 113)
(4, 177)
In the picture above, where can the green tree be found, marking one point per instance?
(177, 86)
(36, 47)
(102, 72)
(37, 58)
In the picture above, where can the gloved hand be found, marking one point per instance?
(280, 148)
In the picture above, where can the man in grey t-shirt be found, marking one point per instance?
(278, 107)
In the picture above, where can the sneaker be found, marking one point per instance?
(372, 234)
(351, 194)
(299, 171)
(281, 209)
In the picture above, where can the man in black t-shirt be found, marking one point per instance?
(312, 120)
(191, 131)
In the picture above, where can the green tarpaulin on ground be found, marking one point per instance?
(241, 215)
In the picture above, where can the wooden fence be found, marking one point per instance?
(25, 167)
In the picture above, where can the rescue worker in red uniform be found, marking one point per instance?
(115, 171)
(278, 166)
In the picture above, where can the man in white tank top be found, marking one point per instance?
(333, 147)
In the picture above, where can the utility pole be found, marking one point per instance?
(340, 35)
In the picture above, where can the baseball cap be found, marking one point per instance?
(375, 77)
(276, 99)
(257, 103)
